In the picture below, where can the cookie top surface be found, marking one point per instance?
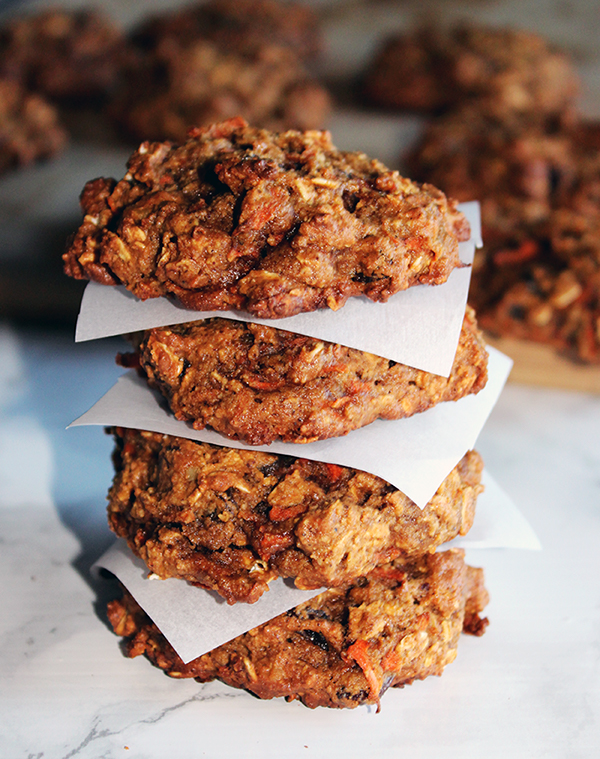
(270, 223)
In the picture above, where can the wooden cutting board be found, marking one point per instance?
(540, 365)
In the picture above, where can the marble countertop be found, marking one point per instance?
(529, 687)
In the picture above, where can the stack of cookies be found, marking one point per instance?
(271, 225)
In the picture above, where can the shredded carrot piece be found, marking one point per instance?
(358, 386)
(389, 573)
(256, 382)
(272, 543)
(278, 514)
(359, 651)
(334, 368)
(334, 471)
(391, 662)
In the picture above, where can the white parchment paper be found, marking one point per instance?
(195, 621)
(413, 454)
(418, 327)
(498, 522)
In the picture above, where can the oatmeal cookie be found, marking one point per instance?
(345, 647)
(504, 71)
(537, 276)
(409, 72)
(258, 384)
(553, 296)
(30, 129)
(182, 86)
(516, 167)
(65, 55)
(231, 520)
(235, 25)
(271, 223)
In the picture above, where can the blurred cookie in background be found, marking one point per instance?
(505, 70)
(182, 85)
(235, 25)
(30, 129)
(69, 56)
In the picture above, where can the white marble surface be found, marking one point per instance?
(529, 687)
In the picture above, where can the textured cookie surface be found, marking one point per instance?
(231, 520)
(271, 223)
(258, 384)
(343, 648)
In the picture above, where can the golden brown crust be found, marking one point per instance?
(231, 520)
(258, 384)
(274, 224)
(343, 648)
